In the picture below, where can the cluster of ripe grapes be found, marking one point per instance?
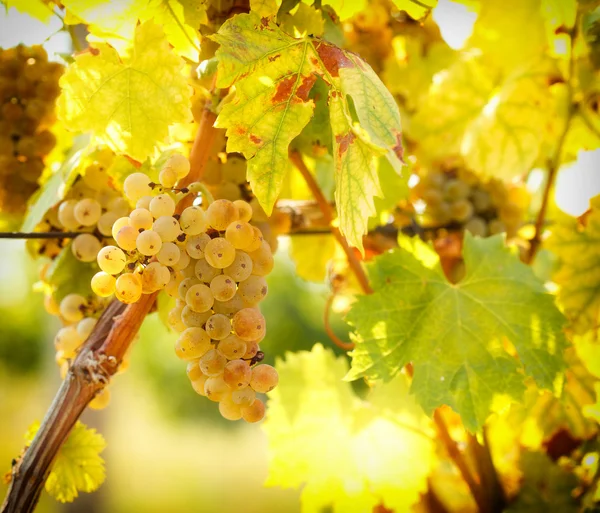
(458, 199)
(28, 92)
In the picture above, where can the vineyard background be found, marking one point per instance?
(168, 450)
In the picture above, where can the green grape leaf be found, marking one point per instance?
(78, 466)
(273, 74)
(346, 9)
(454, 334)
(416, 9)
(37, 9)
(306, 20)
(128, 104)
(56, 186)
(378, 444)
(578, 251)
(67, 275)
(194, 12)
(546, 486)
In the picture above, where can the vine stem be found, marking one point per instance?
(327, 211)
(95, 364)
(346, 346)
(451, 446)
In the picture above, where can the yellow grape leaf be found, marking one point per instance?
(128, 104)
(383, 445)
(113, 21)
(38, 9)
(416, 9)
(345, 8)
(305, 20)
(509, 32)
(311, 253)
(78, 467)
(273, 74)
(578, 274)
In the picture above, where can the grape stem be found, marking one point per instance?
(97, 361)
(346, 346)
(40, 235)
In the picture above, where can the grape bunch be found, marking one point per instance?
(457, 199)
(91, 206)
(28, 91)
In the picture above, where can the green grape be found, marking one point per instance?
(184, 261)
(119, 206)
(239, 234)
(481, 200)
(196, 244)
(477, 226)
(244, 210)
(212, 363)
(244, 396)
(87, 212)
(148, 243)
(205, 272)
(264, 378)
(234, 170)
(229, 191)
(67, 340)
(193, 371)
(103, 284)
(128, 288)
(126, 238)
(137, 185)
(174, 319)
(167, 178)
(199, 384)
(222, 287)
(85, 326)
(455, 189)
(249, 324)
(162, 205)
(230, 306)
(167, 227)
(229, 410)
(496, 226)
(262, 260)
(155, 276)
(255, 412)
(237, 374)
(218, 326)
(193, 221)
(215, 388)
(193, 343)
(141, 219)
(253, 290)
(85, 247)
(241, 267)
(221, 213)
(172, 288)
(461, 210)
(72, 307)
(252, 349)
(257, 240)
(432, 196)
(232, 347)
(144, 202)
(195, 319)
(185, 285)
(199, 298)
(169, 254)
(219, 253)
(179, 164)
(118, 224)
(66, 215)
(106, 222)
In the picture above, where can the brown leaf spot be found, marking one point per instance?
(344, 141)
(284, 89)
(305, 87)
(256, 140)
(398, 148)
(264, 22)
(239, 130)
(333, 58)
(274, 57)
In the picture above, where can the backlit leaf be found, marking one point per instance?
(454, 334)
(416, 9)
(128, 104)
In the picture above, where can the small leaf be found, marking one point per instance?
(37, 9)
(416, 9)
(67, 275)
(78, 466)
(311, 253)
(129, 104)
(454, 334)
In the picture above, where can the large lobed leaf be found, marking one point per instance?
(578, 274)
(128, 104)
(455, 335)
(273, 74)
(78, 466)
(316, 426)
